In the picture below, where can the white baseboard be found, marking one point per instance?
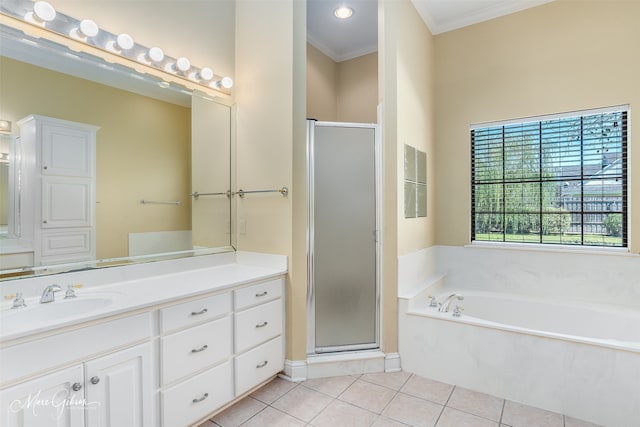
(392, 362)
(295, 370)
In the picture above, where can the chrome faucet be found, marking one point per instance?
(48, 295)
(446, 304)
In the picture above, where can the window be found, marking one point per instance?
(553, 180)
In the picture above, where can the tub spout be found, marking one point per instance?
(446, 304)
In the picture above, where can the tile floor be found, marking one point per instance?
(381, 400)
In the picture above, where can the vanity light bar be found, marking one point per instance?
(42, 14)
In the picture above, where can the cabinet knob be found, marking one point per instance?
(262, 365)
(262, 325)
(45, 167)
(261, 294)
(44, 222)
(76, 386)
(197, 313)
(201, 399)
(95, 380)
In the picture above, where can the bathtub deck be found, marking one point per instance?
(384, 399)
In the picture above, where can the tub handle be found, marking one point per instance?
(457, 312)
(432, 301)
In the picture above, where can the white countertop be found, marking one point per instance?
(131, 295)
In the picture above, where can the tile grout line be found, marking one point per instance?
(504, 403)
(445, 405)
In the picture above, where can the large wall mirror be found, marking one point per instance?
(156, 146)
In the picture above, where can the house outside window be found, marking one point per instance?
(558, 179)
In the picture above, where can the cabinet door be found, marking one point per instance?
(118, 389)
(53, 400)
(67, 202)
(67, 151)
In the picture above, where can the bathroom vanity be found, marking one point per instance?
(168, 348)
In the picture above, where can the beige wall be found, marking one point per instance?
(357, 89)
(562, 56)
(202, 31)
(322, 98)
(143, 148)
(416, 117)
(345, 91)
(405, 85)
(270, 64)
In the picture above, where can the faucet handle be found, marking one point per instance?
(457, 312)
(18, 302)
(70, 293)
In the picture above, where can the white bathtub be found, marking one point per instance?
(582, 360)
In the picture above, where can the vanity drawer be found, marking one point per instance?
(196, 348)
(257, 365)
(189, 401)
(257, 294)
(193, 312)
(258, 324)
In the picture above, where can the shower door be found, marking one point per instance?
(343, 248)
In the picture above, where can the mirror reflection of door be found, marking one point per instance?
(9, 185)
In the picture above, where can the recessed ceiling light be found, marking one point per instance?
(343, 12)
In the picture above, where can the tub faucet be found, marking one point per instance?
(446, 304)
(49, 293)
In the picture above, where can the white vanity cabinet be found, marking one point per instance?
(118, 388)
(42, 401)
(219, 347)
(99, 377)
(259, 344)
(196, 352)
(59, 172)
(161, 365)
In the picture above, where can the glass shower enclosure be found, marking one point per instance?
(343, 244)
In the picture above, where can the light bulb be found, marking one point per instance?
(204, 74)
(87, 28)
(155, 54)
(43, 11)
(225, 82)
(182, 64)
(343, 12)
(124, 41)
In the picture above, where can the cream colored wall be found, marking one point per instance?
(345, 91)
(562, 56)
(202, 31)
(322, 98)
(388, 94)
(142, 148)
(405, 87)
(416, 122)
(357, 89)
(270, 64)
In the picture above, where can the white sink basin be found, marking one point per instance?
(57, 310)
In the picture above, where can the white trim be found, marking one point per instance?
(337, 58)
(392, 362)
(550, 247)
(294, 370)
(438, 26)
(346, 363)
(624, 107)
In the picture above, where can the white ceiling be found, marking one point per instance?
(356, 36)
